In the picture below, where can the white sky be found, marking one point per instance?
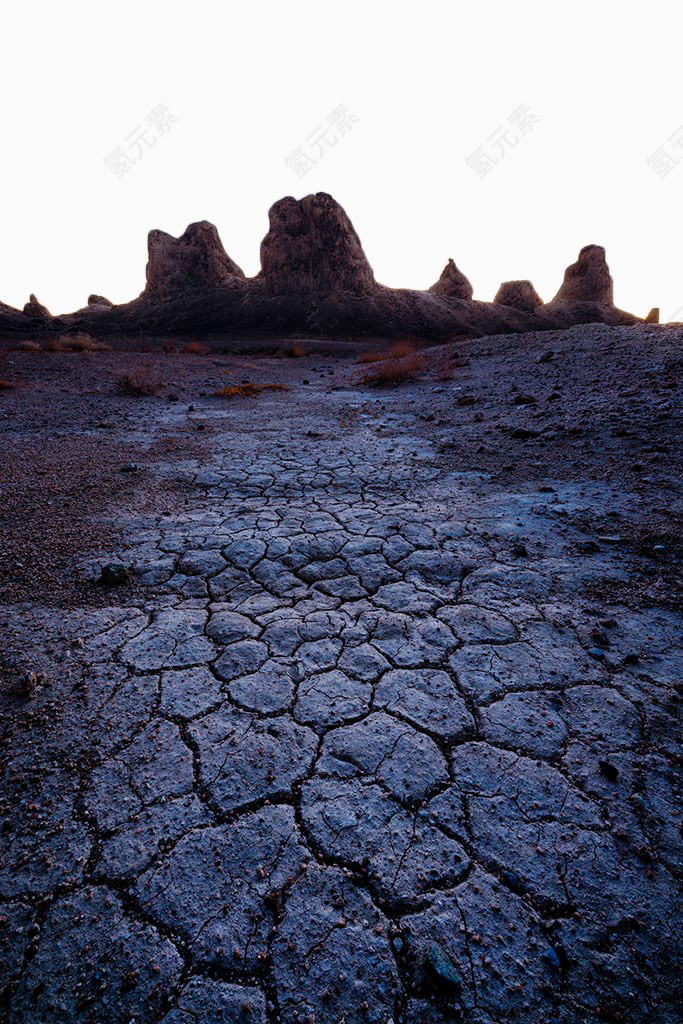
(428, 83)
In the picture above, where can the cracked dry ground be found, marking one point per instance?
(349, 757)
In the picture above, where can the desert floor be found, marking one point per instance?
(382, 725)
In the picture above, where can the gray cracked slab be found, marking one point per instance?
(218, 886)
(244, 759)
(127, 973)
(332, 956)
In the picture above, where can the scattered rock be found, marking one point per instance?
(444, 969)
(114, 574)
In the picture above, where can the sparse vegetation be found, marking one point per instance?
(137, 383)
(248, 390)
(400, 364)
(373, 356)
(399, 350)
(195, 348)
(295, 351)
(29, 346)
(74, 343)
(5, 385)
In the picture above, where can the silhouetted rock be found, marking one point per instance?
(312, 247)
(587, 280)
(36, 310)
(316, 280)
(653, 316)
(452, 283)
(194, 262)
(519, 295)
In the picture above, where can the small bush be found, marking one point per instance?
(295, 351)
(371, 357)
(248, 390)
(169, 348)
(29, 346)
(394, 371)
(195, 348)
(137, 383)
(5, 385)
(75, 343)
(401, 350)
(54, 345)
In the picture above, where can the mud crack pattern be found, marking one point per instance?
(352, 760)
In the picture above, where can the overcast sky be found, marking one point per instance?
(506, 135)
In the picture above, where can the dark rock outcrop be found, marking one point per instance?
(312, 246)
(36, 310)
(196, 261)
(519, 295)
(452, 284)
(99, 300)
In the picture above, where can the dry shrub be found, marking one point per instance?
(5, 385)
(169, 348)
(248, 390)
(371, 357)
(295, 351)
(401, 350)
(195, 348)
(394, 371)
(75, 343)
(54, 345)
(137, 383)
(29, 346)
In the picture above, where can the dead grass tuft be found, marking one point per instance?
(399, 350)
(74, 343)
(248, 390)
(393, 371)
(195, 348)
(371, 357)
(137, 383)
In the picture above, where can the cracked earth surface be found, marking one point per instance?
(348, 759)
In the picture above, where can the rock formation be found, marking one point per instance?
(653, 316)
(519, 295)
(587, 293)
(36, 310)
(179, 267)
(587, 280)
(452, 284)
(315, 279)
(312, 246)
